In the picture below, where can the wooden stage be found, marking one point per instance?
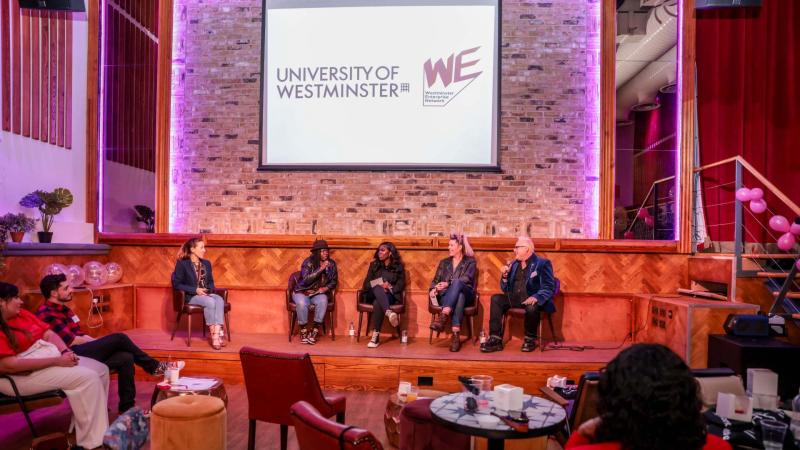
(345, 364)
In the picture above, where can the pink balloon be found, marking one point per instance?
(756, 194)
(743, 194)
(779, 223)
(758, 206)
(649, 221)
(786, 242)
(797, 264)
(795, 229)
(642, 213)
(628, 235)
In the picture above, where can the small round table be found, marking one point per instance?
(391, 418)
(217, 389)
(544, 417)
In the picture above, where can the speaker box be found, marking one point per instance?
(54, 5)
(747, 325)
(707, 4)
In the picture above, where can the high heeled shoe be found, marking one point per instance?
(214, 336)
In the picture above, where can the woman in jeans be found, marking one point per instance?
(385, 281)
(39, 361)
(193, 276)
(453, 286)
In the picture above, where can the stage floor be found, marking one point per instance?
(347, 364)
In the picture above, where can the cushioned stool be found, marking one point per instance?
(418, 431)
(194, 422)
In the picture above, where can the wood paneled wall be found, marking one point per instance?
(37, 73)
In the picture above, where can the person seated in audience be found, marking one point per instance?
(527, 282)
(40, 361)
(453, 286)
(647, 400)
(385, 281)
(116, 350)
(318, 276)
(193, 276)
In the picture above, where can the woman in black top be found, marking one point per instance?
(453, 286)
(385, 281)
(193, 276)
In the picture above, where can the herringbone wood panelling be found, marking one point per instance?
(251, 267)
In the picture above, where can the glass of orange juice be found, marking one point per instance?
(413, 394)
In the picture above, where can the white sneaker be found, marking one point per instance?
(393, 319)
(375, 341)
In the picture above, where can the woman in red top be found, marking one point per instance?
(648, 400)
(40, 361)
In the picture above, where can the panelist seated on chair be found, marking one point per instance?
(318, 277)
(116, 350)
(527, 282)
(193, 276)
(385, 281)
(647, 399)
(453, 287)
(38, 360)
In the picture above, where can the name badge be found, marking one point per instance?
(533, 274)
(76, 319)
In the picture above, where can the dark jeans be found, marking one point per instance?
(119, 353)
(501, 303)
(456, 297)
(381, 299)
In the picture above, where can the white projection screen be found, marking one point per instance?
(380, 85)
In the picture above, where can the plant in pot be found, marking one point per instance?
(146, 215)
(17, 225)
(49, 205)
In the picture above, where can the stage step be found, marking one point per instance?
(774, 274)
(770, 255)
(793, 295)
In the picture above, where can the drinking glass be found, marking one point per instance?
(772, 434)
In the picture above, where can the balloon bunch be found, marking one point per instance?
(756, 198)
(93, 273)
(788, 238)
(644, 214)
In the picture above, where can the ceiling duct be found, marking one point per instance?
(643, 87)
(635, 52)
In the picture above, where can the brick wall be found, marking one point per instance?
(548, 148)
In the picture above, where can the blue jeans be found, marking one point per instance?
(456, 297)
(302, 302)
(213, 308)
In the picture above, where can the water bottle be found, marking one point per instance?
(794, 426)
(404, 337)
(351, 330)
(482, 337)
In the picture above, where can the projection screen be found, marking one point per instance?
(376, 85)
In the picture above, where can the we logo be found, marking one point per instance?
(442, 74)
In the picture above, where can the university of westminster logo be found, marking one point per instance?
(443, 80)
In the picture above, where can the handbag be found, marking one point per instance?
(40, 349)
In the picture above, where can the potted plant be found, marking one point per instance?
(17, 225)
(49, 205)
(147, 216)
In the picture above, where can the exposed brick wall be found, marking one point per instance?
(549, 139)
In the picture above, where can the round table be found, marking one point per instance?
(544, 417)
(216, 390)
(391, 418)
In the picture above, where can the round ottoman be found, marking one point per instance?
(418, 431)
(196, 422)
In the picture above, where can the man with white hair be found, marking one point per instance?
(527, 282)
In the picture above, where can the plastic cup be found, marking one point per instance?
(413, 394)
(772, 434)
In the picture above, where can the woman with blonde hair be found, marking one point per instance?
(454, 286)
(193, 276)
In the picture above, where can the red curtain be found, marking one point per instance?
(748, 74)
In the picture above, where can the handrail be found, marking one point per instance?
(647, 197)
(771, 187)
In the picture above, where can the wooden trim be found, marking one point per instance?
(607, 119)
(371, 242)
(163, 105)
(5, 63)
(687, 102)
(92, 112)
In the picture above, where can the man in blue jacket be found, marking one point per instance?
(527, 282)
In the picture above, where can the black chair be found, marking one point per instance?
(470, 316)
(364, 307)
(519, 313)
(180, 307)
(27, 403)
(580, 409)
(292, 308)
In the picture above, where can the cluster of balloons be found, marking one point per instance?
(756, 198)
(93, 273)
(789, 231)
(644, 214)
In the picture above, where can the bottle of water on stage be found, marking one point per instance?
(351, 331)
(482, 337)
(404, 337)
